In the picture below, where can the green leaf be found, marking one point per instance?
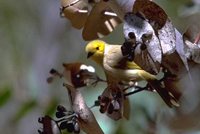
(65, 132)
(51, 108)
(24, 110)
(5, 95)
(120, 130)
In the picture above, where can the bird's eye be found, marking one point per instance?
(97, 48)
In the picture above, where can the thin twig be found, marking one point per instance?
(136, 91)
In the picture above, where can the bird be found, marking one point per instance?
(118, 68)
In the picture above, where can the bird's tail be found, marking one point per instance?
(165, 94)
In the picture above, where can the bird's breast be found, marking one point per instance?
(123, 75)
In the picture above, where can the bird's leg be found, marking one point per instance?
(137, 89)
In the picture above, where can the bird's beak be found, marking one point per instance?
(89, 54)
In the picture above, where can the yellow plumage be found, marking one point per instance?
(118, 68)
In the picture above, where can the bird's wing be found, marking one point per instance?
(113, 57)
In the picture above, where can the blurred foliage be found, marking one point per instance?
(51, 108)
(34, 39)
(24, 110)
(5, 95)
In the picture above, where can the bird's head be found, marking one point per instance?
(95, 50)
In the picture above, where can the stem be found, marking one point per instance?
(136, 91)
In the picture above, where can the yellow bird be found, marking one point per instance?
(118, 68)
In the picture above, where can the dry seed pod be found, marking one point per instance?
(116, 106)
(76, 74)
(101, 21)
(79, 74)
(75, 10)
(154, 13)
(95, 17)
